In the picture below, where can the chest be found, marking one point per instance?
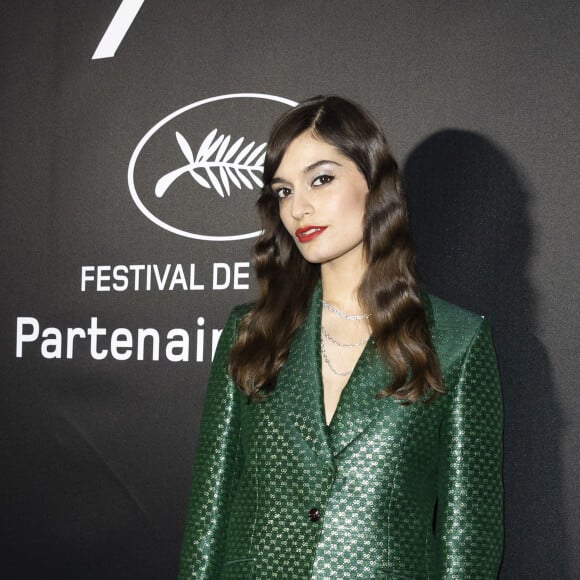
(278, 436)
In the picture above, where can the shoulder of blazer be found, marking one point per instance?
(440, 311)
(452, 328)
(242, 309)
(236, 314)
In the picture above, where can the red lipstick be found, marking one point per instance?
(308, 233)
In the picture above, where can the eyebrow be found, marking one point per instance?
(307, 169)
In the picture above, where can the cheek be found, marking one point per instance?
(354, 205)
(284, 213)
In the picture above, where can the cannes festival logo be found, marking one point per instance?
(202, 190)
(215, 155)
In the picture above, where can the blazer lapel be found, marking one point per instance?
(358, 406)
(299, 387)
(300, 392)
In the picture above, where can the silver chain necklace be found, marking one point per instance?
(344, 315)
(340, 344)
(330, 366)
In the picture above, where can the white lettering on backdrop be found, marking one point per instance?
(119, 343)
(117, 29)
(150, 277)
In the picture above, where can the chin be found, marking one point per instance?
(314, 257)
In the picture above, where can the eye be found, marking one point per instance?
(322, 180)
(282, 192)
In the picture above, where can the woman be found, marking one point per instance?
(352, 426)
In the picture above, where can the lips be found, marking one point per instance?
(308, 233)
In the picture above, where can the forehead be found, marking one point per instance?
(306, 150)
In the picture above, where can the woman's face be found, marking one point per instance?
(322, 201)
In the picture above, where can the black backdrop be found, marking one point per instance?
(480, 103)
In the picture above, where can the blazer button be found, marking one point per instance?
(314, 514)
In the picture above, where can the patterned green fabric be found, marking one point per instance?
(376, 475)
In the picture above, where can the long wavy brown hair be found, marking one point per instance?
(389, 288)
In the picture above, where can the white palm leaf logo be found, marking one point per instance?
(218, 164)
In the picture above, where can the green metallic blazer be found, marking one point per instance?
(386, 491)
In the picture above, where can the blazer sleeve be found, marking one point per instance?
(217, 464)
(470, 500)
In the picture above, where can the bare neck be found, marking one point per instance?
(340, 284)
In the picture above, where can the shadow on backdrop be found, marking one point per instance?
(469, 213)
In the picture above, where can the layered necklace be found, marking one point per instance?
(325, 334)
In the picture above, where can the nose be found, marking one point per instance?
(301, 204)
